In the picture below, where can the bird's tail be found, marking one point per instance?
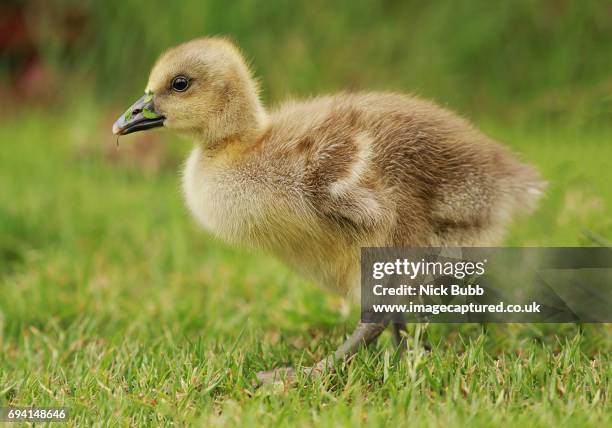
(527, 188)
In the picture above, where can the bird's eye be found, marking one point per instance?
(180, 83)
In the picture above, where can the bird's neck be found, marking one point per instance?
(243, 122)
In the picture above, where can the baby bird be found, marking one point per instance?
(313, 181)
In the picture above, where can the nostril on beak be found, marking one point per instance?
(136, 111)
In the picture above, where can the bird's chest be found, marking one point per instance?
(214, 198)
(268, 214)
(237, 204)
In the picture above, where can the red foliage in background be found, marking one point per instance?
(24, 75)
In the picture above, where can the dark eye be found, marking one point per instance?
(180, 83)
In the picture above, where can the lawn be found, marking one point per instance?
(116, 306)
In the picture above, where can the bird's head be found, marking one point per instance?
(202, 88)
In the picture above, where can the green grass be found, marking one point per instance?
(521, 60)
(115, 305)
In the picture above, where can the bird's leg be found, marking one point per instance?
(364, 334)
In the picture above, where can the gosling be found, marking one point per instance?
(314, 181)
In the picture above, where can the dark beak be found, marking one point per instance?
(142, 115)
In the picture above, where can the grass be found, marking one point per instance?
(115, 305)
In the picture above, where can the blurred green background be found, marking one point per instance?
(524, 60)
(112, 298)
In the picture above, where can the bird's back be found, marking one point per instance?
(390, 169)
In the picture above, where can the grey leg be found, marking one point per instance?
(364, 334)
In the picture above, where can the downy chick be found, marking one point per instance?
(313, 181)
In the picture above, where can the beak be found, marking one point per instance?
(140, 116)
